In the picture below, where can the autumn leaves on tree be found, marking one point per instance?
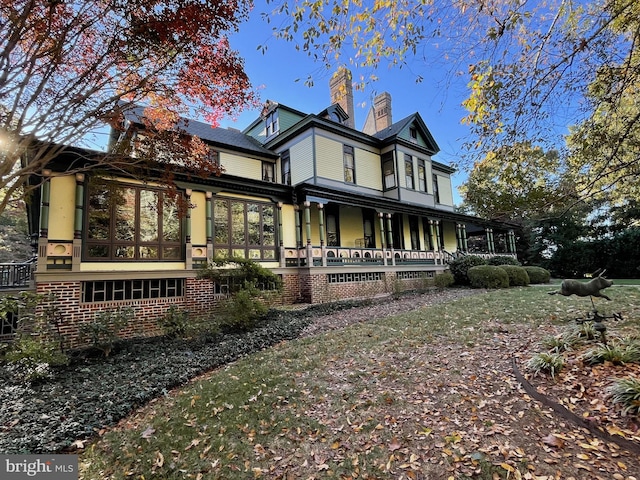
(68, 68)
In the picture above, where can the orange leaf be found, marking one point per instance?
(553, 441)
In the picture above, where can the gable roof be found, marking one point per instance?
(391, 133)
(271, 106)
(220, 137)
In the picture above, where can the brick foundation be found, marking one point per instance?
(310, 285)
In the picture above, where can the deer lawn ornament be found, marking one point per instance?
(585, 289)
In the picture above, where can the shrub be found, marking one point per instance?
(550, 363)
(503, 260)
(175, 322)
(518, 276)
(627, 392)
(242, 310)
(538, 274)
(30, 358)
(488, 276)
(103, 331)
(460, 266)
(444, 280)
(237, 271)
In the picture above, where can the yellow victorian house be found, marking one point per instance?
(336, 212)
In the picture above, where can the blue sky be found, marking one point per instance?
(437, 98)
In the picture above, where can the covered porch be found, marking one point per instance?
(335, 229)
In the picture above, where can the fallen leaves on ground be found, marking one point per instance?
(404, 408)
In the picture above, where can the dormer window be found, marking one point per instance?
(272, 124)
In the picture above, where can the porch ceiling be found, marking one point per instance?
(315, 193)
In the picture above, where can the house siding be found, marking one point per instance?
(62, 207)
(198, 218)
(241, 166)
(445, 190)
(329, 158)
(287, 119)
(351, 227)
(302, 160)
(368, 169)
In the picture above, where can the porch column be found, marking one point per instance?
(321, 223)
(307, 221)
(459, 236)
(44, 220)
(296, 209)
(492, 243)
(511, 241)
(432, 238)
(488, 234)
(435, 226)
(383, 238)
(187, 226)
(209, 223)
(322, 233)
(465, 246)
(390, 238)
(77, 224)
(280, 235)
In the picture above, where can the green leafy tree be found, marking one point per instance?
(517, 182)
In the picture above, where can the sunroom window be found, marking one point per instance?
(131, 222)
(244, 229)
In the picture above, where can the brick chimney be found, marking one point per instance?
(379, 117)
(341, 89)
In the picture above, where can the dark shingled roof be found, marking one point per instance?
(221, 137)
(395, 128)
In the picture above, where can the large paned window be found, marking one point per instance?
(388, 170)
(244, 229)
(408, 170)
(285, 163)
(368, 222)
(131, 222)
(428, 239)
(349, 165)
(268, 172)
(332, 225)
(414, 232)
(436, 191)
(422, 175)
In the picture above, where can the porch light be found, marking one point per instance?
(188, 192)
(46, 172)
(80, 177)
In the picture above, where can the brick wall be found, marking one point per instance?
(199, 298)
(73, 313)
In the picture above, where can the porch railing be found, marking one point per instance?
(346, 256)
(17, 275)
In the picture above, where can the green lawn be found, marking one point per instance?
(427, 394)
